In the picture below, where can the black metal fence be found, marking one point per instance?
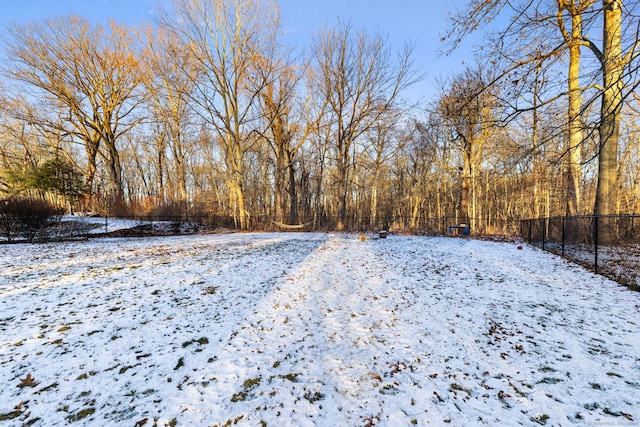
(416, 225)
(609, 245)
(139, 225)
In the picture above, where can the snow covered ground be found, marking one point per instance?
(311, 329)
(88, 225)
(620, 262)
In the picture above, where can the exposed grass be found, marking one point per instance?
(80, 415)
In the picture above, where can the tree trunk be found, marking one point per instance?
(91, 150)
(465, 190)
(293, 195)
(182, 179)
(178, 156)
(537, 174)
(612, 66)
(415, 212)
(374, 202)
(574, 168)
(238, 188)
(161, 161)
(279, 183)
(342, 163)
(115, 171)
(342, 200)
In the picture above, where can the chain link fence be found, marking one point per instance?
(608, 245)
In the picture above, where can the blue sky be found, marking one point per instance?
(422, 22)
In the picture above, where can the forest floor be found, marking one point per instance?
(311, 329)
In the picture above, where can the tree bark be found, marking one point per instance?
(609, 131)
(465, 188)
(293, 195)
(574, 168)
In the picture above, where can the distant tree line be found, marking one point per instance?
(206, 111)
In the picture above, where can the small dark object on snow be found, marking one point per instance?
(28, 381)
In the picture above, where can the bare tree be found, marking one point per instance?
(278, 100)
(468, 108)
(573, 38)
(383, 141)
(528, 27)
(84, 80)
(226, 40)
(359, 81)
(170, 83)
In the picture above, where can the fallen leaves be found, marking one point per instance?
(397, 368)
(376, 377)
(180, 364)
(486, 386)
(209, 290)
(503, 399)
(28, 381)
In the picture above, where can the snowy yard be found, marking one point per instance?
(311, 329)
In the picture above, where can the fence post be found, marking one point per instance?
(595, 243)
(544, 231)
(564, 218)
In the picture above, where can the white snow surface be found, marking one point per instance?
(95, 224)
(312, 329)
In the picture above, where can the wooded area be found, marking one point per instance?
(207, 112)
